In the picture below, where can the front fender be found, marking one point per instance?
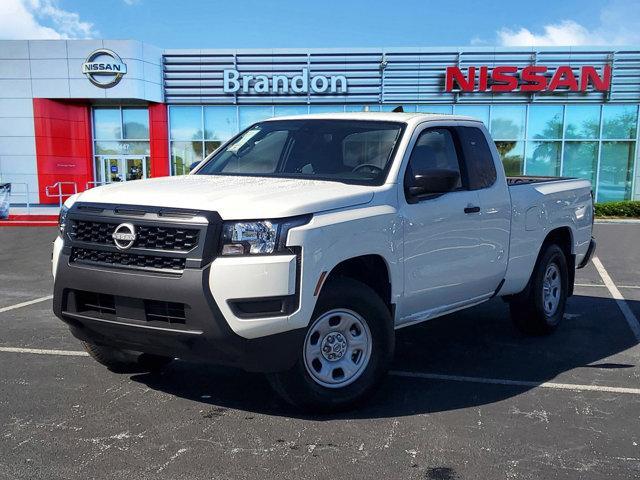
(333, 237)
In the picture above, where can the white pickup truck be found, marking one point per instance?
(302, 244)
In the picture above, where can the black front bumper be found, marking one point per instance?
(204, 335)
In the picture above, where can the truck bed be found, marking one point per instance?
(540, 205)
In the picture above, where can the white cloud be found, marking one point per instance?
(566, 32)
(41, 19)
(617, 25)
(131, 2)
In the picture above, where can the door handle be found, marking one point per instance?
(472, 209)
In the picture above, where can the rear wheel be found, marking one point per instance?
(126, 361)
(347, 350)
(540, 308)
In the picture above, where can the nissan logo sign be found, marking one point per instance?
(104, 68)
(124, 236)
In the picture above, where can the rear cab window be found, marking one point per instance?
(478, 159)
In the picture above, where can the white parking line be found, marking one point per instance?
(41, 351)
(517, 383)
(615, 293)
(25, 304)
(601, 285)
(400, 373)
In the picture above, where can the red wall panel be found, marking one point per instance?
(63, 144)
(159, 140)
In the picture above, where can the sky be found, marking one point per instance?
(327, 23)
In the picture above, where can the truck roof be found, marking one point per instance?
(405, 117)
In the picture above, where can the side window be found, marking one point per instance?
(435, 148)
(478, 159)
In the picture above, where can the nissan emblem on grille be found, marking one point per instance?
(124, 235)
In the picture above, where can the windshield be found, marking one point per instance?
(340, 150)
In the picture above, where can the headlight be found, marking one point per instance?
(258, 237)
(62, 219)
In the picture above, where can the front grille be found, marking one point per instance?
(166, 240)
(148, 236)
(169, 312)
(122, 259)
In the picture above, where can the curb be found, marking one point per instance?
(618, 220)
(30, 221)
(22, 223)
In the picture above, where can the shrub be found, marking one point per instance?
(628, 208)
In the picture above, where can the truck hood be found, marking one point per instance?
(234, 198)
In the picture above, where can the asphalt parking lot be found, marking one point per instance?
(470, 398)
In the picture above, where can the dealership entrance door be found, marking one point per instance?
(121, 168)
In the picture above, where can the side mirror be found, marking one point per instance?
(432, 181)
(194, 165)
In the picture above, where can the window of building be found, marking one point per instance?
(102, 147)
(406, 107)
(282, 110)
(107, 124)
(185, 123)
(135, 123)
(615, 174)
(507, 122)
(438, 109)
(507, 129)
(544, 125)
(582, 122)
(121, 144)
(545, 122)
(183, 154)
(250, 114)
(543, 158)
(619, 121)
(480, 112)
(186, 133)
(220, 123)
(580, 160)
(512, 155)
(326, 108)
(361, 108)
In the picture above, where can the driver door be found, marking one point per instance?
(442, 266)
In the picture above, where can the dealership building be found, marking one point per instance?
(79, 113)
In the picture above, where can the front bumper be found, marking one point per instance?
(204, 334)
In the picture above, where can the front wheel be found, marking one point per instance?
(347, 350)
(540, 308)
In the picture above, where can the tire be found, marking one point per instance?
(126, 361)
(352, 327)
(537, 310)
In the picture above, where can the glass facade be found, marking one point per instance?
(594, 141)
(121, 144)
